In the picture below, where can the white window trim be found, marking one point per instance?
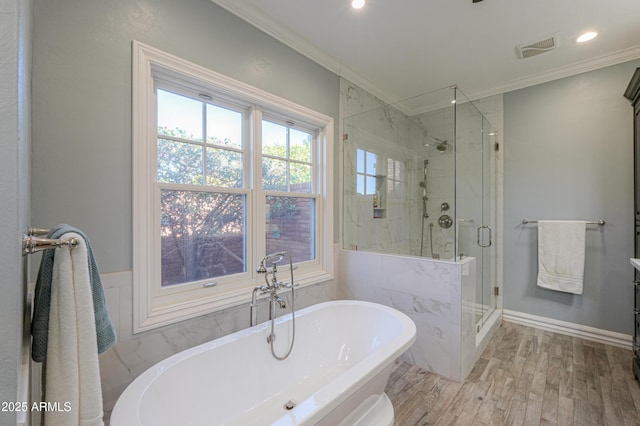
(150, 309)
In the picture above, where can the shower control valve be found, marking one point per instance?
(445, 221)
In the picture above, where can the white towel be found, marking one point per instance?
(561, 253)
(72, 370)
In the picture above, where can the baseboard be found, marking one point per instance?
(570, 329)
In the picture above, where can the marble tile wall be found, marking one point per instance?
(377, 127)
(371, 124)
(387, 130)
(437, 295)
(133, 354)
(439, 126)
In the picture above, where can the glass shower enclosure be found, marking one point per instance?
(419, 180)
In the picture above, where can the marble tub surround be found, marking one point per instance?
(437, 295)
(134, 354)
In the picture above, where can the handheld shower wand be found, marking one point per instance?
(423, 185)
(271, 287)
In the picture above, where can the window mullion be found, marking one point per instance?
(287, 161)
(258, 218)
(201, 188)
(204, 143)
(315, 170)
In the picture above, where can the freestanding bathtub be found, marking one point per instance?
(336, 373)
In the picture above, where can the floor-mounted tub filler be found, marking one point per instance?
(335, 375)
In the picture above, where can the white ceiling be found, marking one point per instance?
(403, 48)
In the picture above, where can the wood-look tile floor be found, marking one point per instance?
(525, 376)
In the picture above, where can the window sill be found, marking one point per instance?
(170, 314)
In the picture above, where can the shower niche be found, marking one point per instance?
(370, 180)
(379, 198)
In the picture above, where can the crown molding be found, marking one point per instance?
(255, 17)
(609, 59)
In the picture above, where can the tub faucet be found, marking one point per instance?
(270, 286)
(275, 284)
(273, 259)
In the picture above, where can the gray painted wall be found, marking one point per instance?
(82, 100)
(15, 52)
(569, 155)
(567, 145)
(82, 137)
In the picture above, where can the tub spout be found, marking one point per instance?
(280, 302)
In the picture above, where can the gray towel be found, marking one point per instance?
(105, 334)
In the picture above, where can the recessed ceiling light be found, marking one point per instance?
(587, 36)
(357, 4)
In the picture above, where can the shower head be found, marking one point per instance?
(273, 259)
(442, 146)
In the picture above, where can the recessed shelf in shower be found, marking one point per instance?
(379, 198)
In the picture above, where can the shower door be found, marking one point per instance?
(486, 232)
(475, 202)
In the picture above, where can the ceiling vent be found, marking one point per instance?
(537, 47)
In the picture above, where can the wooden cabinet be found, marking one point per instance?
(633, 94)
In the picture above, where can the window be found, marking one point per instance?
(200, 156)
(395, 179)
(365, 172)
(223, 174)
(287, 171)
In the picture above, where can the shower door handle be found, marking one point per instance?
(478, 235)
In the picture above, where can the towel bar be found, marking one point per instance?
(599, 222)
(31, 244)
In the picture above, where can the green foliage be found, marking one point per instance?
(189, 218)
(281, 207)
(274, 170)
(190, 215)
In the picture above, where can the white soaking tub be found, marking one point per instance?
(336, 373)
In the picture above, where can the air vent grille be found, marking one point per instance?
(537, 47)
